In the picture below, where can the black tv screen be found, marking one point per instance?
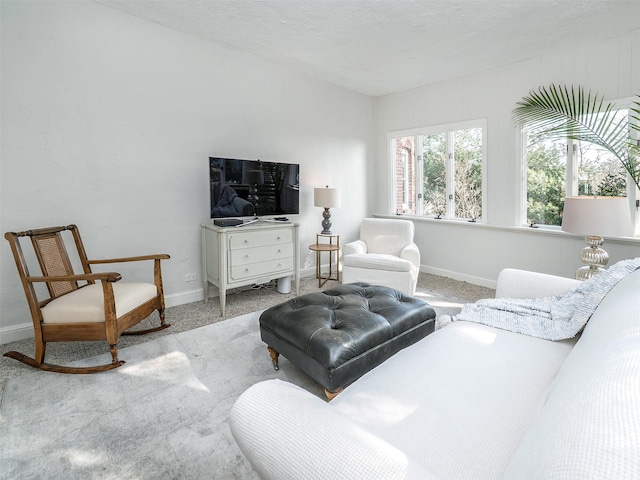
(253, 188)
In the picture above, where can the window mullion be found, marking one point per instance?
(450, 177)
(419, 174)
(633, 192)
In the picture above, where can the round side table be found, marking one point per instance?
(333, 245)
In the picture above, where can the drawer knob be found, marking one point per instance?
(246, 256)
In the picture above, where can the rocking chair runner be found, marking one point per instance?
(99, 308)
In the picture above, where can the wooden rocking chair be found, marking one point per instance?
(97, 308)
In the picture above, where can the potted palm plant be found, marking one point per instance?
(558, 112)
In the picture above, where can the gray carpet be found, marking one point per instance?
(164, 413)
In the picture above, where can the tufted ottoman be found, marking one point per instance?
(338, 335)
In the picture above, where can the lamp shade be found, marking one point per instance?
(602, 216)
(326, 197)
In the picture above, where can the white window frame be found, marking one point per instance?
(448, 128)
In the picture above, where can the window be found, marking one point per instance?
(571, 168)
(438, 171)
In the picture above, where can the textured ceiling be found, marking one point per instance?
(378, 47)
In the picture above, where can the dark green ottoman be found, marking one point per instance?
(338, 335)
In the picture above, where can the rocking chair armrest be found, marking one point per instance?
(102, 276)
(158, 256)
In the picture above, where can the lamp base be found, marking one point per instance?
(593, 256)
(326, 223)
(585, 273)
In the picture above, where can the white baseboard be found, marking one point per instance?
(461, 277)
(181, 298)
(15, 333)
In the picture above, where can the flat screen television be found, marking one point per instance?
(253, 188)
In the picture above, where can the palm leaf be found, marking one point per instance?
(560, 112)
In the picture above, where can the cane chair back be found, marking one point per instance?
(54, 261)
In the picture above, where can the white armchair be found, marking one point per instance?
(384, 255)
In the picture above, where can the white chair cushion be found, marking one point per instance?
(87, 303)
(377, 261)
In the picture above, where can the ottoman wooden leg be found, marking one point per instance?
(274, 357)
(332, 395)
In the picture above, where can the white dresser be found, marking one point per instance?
(252, 254)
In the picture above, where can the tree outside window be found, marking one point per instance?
(468, 173)
(546, 175)
(434, 159)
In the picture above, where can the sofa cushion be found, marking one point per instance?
(87, 303)
(589, 427)
(377, 261)
(458, 401)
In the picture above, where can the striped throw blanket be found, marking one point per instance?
(552, 318)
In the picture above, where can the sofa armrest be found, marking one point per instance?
(513, 283)
(412, 254)
(288, 433)
(357, 246)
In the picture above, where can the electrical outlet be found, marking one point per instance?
(190, 277)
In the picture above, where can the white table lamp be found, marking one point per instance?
(606, 216)
(326, 198)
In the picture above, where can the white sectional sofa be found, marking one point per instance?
(468, 402)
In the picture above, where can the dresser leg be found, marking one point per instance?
(223, 301)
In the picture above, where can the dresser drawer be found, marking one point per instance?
(260, 239)
(260, 254)
(260, 269)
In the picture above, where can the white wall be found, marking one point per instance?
(108, 122)
(474, 252)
